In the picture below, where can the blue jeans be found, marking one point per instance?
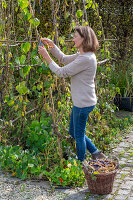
(77, 127)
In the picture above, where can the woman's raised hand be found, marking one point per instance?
(48, 42)
(43, 52)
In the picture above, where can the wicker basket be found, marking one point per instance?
(103, 183)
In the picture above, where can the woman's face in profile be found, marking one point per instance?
(77, 40)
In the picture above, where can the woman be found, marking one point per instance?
(81, 67)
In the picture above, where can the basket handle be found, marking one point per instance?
(117, 160)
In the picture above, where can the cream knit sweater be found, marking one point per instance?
(82, 69)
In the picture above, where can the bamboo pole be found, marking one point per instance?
(99, 63)
(33, 15)
(84, 13)
(14, 41)
(35, 41)
(101, 27)
(55, 23)
(55, 125)
(13, 121)
(98, 40)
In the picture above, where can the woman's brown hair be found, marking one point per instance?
(90, 42)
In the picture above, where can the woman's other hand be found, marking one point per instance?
(48, 42)
(43, 52)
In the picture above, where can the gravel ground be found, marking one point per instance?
(14, 189)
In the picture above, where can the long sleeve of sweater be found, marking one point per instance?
(71, 69)
(63, 58)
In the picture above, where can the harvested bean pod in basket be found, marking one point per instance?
(101, 166)
(100, 175)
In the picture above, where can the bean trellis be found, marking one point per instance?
(18, 42)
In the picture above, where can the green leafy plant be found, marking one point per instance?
(37, 135)
(67, 173)
(122, 77)
(21, 163)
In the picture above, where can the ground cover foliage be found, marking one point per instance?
(35, 104)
